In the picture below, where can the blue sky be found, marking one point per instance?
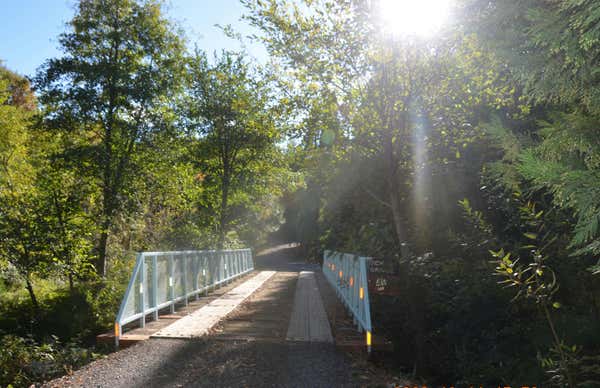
(29, 28)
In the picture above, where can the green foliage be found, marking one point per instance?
(24, 244)
(566, 163)
(558, 74)
(24, 362)
(111, 91)
(231, 123)
(526, 272)
(392, 109)
(560, 39)
(533, 280)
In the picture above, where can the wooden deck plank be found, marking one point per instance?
(202, 320)
(309, 321)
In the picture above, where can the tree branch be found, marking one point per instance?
(375, 197)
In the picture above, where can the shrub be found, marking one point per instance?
(23, 361)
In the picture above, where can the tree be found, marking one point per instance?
(65, 197)
(22, 237)
(112, 90)
(552, 51)
(230, 117)
(405, 107)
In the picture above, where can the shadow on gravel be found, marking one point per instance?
(210, 363)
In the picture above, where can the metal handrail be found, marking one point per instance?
(162, 279)
(347, 273)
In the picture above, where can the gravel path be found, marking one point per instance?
(214, 363)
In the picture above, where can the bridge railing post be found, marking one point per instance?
(204, 269)
(229, 266)
(224, 258)
(233, 266)
(196, 272)
(172, 282)
(155, 286)
(142, 293)
(214, 271)
(184, 273)
(367, 306)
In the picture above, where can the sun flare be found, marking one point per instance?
(413, 17)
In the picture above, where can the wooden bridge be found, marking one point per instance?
(278, 321)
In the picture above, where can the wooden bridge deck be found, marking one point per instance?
(309, 321)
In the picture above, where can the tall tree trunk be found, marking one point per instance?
(391, 166)
(102, 243)
(106, 163)
(108, 201)
(223, 215)
(71, 284)
(398, 125)
(397, 215)
(29, 286)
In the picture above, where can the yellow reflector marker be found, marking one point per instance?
(361, 293)
(116, 329)
(368, 338)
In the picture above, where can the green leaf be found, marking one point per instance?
(529, 246)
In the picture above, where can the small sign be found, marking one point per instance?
(383, 281)
(384, 284)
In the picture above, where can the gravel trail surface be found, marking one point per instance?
(214, 363)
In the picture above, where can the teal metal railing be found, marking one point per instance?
(347, 273)
(162, 279)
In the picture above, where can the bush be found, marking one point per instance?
(452, 323)
(62, 313)
(23, 361)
